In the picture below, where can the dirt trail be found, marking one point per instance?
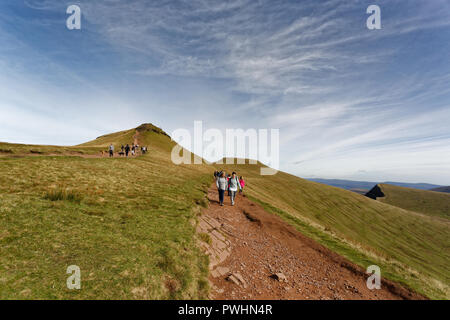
(100, 154)
(61, 154)
(256, 255)
(136, 138)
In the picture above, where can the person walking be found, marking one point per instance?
(233, 186)
(127, 149)
(222, 185)
(111, 150)
(242, 183)
(228, 180)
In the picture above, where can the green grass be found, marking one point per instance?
(129, 224)
(205, 237)
(423, 201)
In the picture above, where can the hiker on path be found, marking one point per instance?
(233, 186)
(127, 149)
(111, 151)
(222, 185)
(228, 180)
(242, 183)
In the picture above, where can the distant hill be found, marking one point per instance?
(357, 186)
(346, 184)
(360, 191)
(422, 201)
(421, 186)
(441, 189)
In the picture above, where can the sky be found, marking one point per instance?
(350, 102)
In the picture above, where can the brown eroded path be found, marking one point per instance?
(136, 138)
(250, 246)
(101, 154)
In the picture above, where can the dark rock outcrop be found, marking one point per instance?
(375, 193)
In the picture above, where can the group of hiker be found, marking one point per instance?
(125, 150)
(230, 183)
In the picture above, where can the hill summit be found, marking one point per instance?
(147, 127)
(144, 134)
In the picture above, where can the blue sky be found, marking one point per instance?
(349, 102)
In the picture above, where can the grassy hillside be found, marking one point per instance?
(409, 247)
(426, 202)
(19, 150)
(129, 224)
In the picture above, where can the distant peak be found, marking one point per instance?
(150, 127)
(375, 192)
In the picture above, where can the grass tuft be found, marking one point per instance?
(205, 237)
(63, 194)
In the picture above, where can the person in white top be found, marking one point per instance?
(111, 150)
(222, 185)
(233, 185)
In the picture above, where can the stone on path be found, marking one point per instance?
(237, 279)
(279, 276)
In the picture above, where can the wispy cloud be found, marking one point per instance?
(341, 94)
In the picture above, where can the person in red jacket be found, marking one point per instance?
(242, 183)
